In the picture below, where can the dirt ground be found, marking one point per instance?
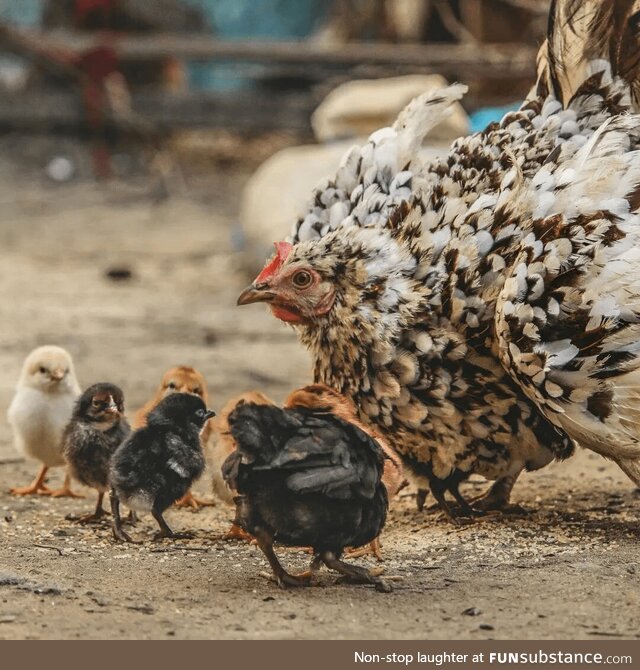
(570, 568)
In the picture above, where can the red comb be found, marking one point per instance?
(283, 249)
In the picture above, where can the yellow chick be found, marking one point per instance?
(39, 412)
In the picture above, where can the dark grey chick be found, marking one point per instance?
(96, 428)
(158, 464)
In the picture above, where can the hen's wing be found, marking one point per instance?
(316, 453)
(375, 178)
(567, 324)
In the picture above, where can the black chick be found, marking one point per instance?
(158, 464)
(95, 430)
(306, 478)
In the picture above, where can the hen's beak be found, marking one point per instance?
(256, 293)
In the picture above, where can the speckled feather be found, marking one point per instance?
(486, 306)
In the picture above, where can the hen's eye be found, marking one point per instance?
(302, 279)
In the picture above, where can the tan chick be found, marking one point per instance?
(179, 379)
(39, 412)
(218, 447)
(321, 397)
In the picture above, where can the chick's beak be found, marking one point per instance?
(209, 415)
(256, 293)
(57, 374)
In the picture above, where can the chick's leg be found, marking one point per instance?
(165, 531)
(237, 533)
(96, 515)
(283, 578)
(118, 533)
(374, 549)
(354, 572)
(37, 486)
(65, 491)
(190, 501)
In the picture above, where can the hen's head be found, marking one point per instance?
(297, 288)
(351, 271)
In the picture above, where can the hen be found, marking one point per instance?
(483, 311)
(306, 478)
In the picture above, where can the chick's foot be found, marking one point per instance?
(37, 486)
(190, 501)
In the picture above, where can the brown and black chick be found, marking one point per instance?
(322, 398)
(307, 478)
(96, 429)
(219, 445)
(179, 379)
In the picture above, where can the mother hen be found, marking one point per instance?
(483, 311)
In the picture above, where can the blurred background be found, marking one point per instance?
(151, 152)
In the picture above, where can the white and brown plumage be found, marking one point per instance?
(483, 311)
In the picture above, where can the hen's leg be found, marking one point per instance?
(354, 572)
(65, 491)
(37, 486)
(190, 501)
(96, 515)
(465, 507)
(497, 497)
(118, 533)
(421, 498)
(283, 578)
(438, 489)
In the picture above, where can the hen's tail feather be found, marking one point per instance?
(631, 468)
(580, 32)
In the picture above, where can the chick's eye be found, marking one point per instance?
(197, 391)
(171, 385)
(95, 403)
(42, 370)
(302, 279)
(200, 412)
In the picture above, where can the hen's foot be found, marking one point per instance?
(497, 497)
(191, 502)
(355, 573)
(372, 549)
